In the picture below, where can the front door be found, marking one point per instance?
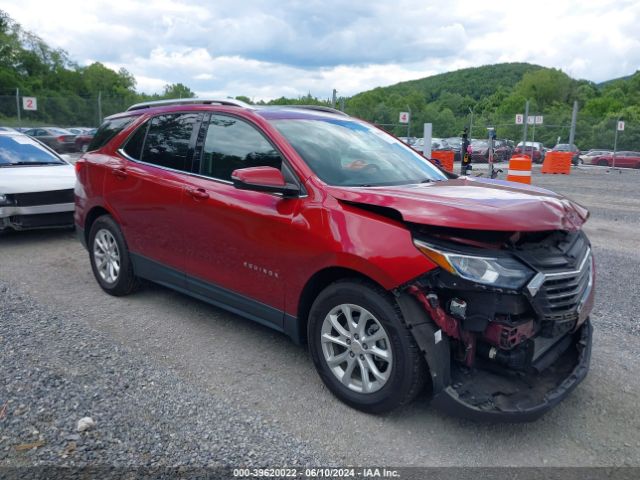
(235, 236)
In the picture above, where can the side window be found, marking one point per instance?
(231, 144)
(133, 147)
(168, 138)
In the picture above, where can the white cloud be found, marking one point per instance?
(266, 49)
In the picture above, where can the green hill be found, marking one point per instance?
(476, 82)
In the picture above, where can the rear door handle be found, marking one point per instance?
(197, 193)
(120, 173)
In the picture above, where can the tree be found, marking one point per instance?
(177, 90)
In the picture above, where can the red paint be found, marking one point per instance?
(508, 336)
(267, 247)
(268, 176)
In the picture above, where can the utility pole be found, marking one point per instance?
(615, 144)
(471, 123)
(526, 121)
(574, 117)
(18, 105)
(409, 123)
(99, 108)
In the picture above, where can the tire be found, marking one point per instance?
(105, 237)
(404, 372)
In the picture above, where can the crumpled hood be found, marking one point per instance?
(37, 178)
(473, 203)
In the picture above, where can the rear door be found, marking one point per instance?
(236, 237)
(144, 187)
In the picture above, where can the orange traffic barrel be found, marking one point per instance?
(557, 162)
(520, 169)
(445, 157)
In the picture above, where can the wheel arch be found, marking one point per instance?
(312, 288)
(91, 217)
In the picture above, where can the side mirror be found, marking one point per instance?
(263, 179)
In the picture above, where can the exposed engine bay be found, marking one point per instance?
(509, 345)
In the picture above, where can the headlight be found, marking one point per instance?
(503, 272)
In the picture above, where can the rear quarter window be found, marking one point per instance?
(108, 130)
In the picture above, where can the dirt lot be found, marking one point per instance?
(232, 361)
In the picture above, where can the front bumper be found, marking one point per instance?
(487, 397)
(36, 216)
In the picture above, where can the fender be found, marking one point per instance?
(433, 343)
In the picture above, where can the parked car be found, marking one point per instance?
(418, 145)
(395, 274)
(440, 144)
(588, 157)
(535, 150)
(456, 145)
(7, 129)
(622, 159)
(569, 147)
(408, 140)
(36, 185)
(58, 139)
(503, 149)
(83, 140)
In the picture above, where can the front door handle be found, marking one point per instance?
(197, 193)
(120, 173)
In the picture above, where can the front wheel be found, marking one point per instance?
(362, 349)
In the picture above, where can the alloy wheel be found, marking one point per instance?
(356, 348)
(106, 255)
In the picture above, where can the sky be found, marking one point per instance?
(270, 48)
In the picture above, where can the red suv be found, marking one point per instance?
(398, 275)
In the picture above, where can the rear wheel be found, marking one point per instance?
(362, 349)
(110, 259)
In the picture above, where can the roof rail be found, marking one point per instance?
(320, 108)
(190, 101)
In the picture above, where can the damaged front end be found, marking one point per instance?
(503, 322)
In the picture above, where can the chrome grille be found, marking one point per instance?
(562, 293)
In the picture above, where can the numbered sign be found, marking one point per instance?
(29, 103)
(404, 117)
(519, 119)
(621, 126)
(531, 120)
(539, 119)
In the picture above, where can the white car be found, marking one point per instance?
(36, 185)
(591, 155)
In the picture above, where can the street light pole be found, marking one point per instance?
(615, 144)
(471, 123)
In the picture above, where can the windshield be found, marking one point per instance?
(351, 153)
(22, 150)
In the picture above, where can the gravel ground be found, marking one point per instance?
(214, 359)
(57, 371)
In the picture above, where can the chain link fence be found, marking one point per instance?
(591, 132)
(73, 111)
